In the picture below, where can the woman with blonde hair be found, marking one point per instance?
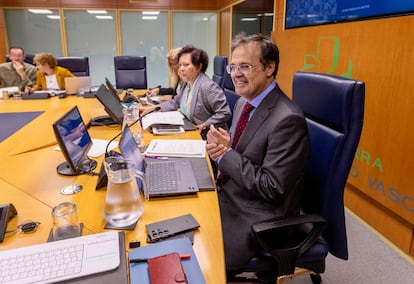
(174, 81)
(49, 75)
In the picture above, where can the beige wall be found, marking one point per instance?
(378, 52)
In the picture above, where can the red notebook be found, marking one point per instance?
(167, 269)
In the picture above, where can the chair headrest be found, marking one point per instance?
(314, 91)
(220, 63)
(126, 62)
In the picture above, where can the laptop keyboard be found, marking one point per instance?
(60, 260)
(166, 181)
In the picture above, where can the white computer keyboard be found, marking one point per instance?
(60, 260)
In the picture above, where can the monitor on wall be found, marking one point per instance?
(301, 13)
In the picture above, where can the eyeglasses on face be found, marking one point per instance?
(183, 65)
(243, 68)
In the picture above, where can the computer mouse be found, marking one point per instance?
(62, 96)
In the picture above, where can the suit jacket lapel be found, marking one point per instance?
(259, 116)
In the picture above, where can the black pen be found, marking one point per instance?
(137, 260)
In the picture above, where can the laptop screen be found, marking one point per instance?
(111, 103)
(130, 150)
(110, 87)
(74, 84)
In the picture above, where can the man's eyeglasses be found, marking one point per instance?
(243, 68)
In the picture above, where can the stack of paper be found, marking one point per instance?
(176, 148)
(162, 118)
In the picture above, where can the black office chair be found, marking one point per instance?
(79, 66)
(130, 72)
(334, 110)
(28, 58)
(231, 96)
(219, 64)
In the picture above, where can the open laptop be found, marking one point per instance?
(112, 106)
(111, 87)
(73, 85)
(164, 177)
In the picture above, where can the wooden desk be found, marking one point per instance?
(29, 180)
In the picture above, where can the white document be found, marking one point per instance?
(162, 117)
(176, 148)
(10, 90)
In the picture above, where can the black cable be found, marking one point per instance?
(138, 120)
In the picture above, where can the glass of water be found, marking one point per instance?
(65, 221)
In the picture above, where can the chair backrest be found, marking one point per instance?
(130, 72)
(231, 96)
(78, 65)
(219, 64)
(334, 110)
(28, 59)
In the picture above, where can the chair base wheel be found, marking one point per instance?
(316, 278)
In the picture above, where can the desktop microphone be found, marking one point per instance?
(136, 121)
(102, 177)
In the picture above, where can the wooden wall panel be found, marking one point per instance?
(392, 227)
(225, 32)
(226, 3)
(3, 50)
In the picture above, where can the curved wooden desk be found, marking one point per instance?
(28, 179)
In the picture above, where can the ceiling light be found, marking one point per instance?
(97, 12)
(40, 11)
(54, 17)
(248, 19)
(149, 17)
(103, 17)
(150, 12)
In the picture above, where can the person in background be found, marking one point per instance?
(17, 73)
(49, 75)
(201, 100)
(174, 81)
(261, 175)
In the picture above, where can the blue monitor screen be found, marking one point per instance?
(74, 142)
(301, 13)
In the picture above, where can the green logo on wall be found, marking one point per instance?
(313, 61)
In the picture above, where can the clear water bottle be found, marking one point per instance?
(131, 115)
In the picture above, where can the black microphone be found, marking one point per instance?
(136, 121)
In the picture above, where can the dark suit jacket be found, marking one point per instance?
(263, 175)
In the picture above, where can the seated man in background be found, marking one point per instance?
(261, 169)
(17, 73)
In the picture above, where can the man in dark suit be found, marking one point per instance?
(261, 175)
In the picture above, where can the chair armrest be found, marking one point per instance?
(286, 238)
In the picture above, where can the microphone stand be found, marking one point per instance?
(136, 121)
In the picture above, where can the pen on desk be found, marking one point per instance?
(137, 260)
(156, 157)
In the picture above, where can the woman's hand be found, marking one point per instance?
(153, 92)
(145, 110)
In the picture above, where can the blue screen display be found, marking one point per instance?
(301, 13)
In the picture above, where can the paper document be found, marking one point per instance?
(176, 148)
(10, 90)
(162, 117)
